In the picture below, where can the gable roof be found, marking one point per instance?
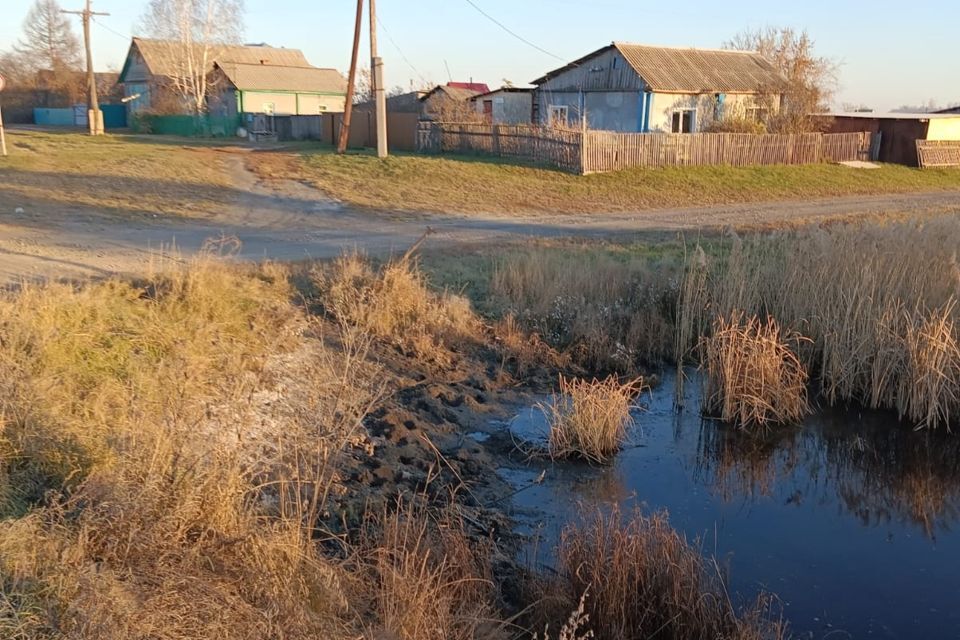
(479, 87)
(160, 56)
(688, 70)
(263, 77)
(453, 92)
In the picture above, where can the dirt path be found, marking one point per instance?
(288, 220)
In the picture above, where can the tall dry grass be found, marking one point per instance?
(394, 303)
(611, 311)
(754, 377)
(135, 452)
(644, 580)
(589, 418)
(877, 300)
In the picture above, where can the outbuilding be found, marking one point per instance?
(899, 132)
(506, 105)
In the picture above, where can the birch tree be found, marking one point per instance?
(196, 32)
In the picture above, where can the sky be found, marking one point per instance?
(891, 53)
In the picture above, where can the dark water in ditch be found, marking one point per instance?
(850, 518)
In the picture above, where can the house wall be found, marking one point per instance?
(898, 137)
(311, 104)
(509, 107)
(705, 105)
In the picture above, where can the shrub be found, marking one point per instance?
(754, 378)
(590, 419)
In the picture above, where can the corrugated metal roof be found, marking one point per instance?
(263, 77)
(688, 70)
(479, 87)
(161, 56)
(700, 70)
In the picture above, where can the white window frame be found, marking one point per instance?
(681, 112)
(554, 117)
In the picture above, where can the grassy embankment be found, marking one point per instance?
(456, 184)
(169, 448)
(126, 175)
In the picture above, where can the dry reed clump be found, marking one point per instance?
(589, 419)
(394, 303)
(610, 311)
(424, 578)
(754, 377)
(643, 580)
(878, 302)
(151, 489)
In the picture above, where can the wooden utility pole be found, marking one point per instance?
(3, 136)
(351, 82)
(94, 115)
(376, 83)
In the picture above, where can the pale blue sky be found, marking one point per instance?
(893, 53)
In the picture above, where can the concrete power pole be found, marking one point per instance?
(94, 115)
(376, 80)
(351, 83)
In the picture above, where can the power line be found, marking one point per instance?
(105, 27)
(510, 31)
(386, 32)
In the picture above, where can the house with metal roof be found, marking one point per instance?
(451, 101)
(242, 79)
(639, 88)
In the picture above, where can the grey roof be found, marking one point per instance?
(454, 93)
(264, 77)
(687, 70)
(891, 115)
(161, 55)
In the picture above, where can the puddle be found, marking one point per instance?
(478, 436)
(848, 518)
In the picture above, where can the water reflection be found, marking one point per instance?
(849, 517)
(875, 468)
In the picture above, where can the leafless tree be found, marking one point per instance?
(810, 81)
(197, 31)
(48, 40)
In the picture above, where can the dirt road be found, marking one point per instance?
(287, 220)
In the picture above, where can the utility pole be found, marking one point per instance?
(94, 115)
(377, 84)
(3, 136)
(351, 82)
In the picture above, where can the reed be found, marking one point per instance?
(589, 419)
(643, 580)
(754, 377)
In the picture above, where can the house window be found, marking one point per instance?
(616, 62)
(683, 121)
(558, 115)
(757, 114)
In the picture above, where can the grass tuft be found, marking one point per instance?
(589, 419)
(754, 377)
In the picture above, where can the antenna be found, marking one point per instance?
(449, 75)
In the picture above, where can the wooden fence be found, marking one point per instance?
(938, 153)
(552, 147)
(597, 151)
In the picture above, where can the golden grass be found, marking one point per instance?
(878, 302)
(589, 419)
(487, 186)
(754, 377)
(609, 308)
(394, 303)
(641, 579)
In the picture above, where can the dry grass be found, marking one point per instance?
(589, 419)
(754, 377)
(487, 186)
(394, 303)
(878, 302)
(152, 490)
(610, 309)
(428, 579)
(643, 580)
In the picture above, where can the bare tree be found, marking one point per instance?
(196, 32)
(48, 40)
(810, 81)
